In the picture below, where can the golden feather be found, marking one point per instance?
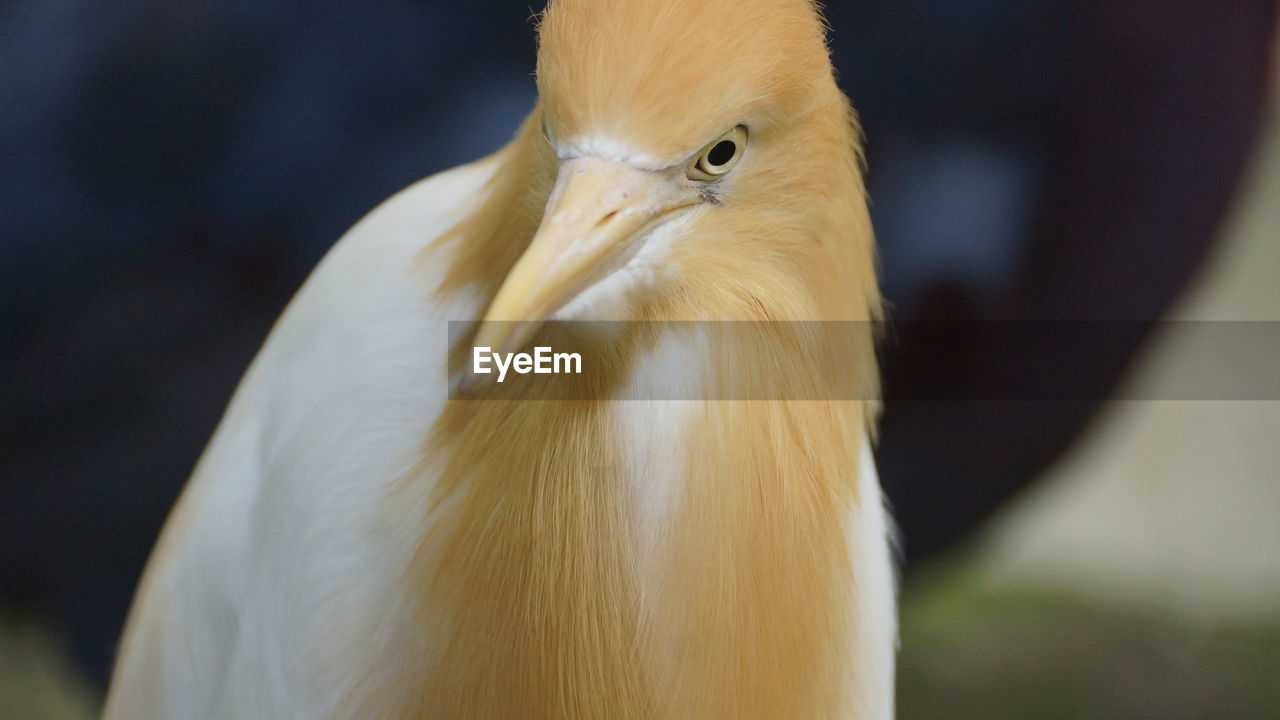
(536, 572)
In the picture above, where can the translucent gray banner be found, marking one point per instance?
(759, 360)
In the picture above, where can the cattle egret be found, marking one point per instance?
(356, 542)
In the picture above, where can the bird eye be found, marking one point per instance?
(720, 156)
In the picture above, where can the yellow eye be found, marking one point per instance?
(720, 156)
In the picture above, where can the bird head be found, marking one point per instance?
(704, 161)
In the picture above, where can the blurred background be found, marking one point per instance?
(170, 171)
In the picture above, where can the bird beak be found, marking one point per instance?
(597, 210)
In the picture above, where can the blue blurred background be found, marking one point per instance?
(170, 171)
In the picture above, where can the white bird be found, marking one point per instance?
(356, 544)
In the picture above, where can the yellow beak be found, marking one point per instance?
(597, 209)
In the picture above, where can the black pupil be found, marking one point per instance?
(722, 153)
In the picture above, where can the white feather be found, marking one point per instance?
(277, 571)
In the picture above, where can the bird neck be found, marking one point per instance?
(554, 584)
(549, 584)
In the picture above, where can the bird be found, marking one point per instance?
(373, 533)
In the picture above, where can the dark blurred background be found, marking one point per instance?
(170, 171)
